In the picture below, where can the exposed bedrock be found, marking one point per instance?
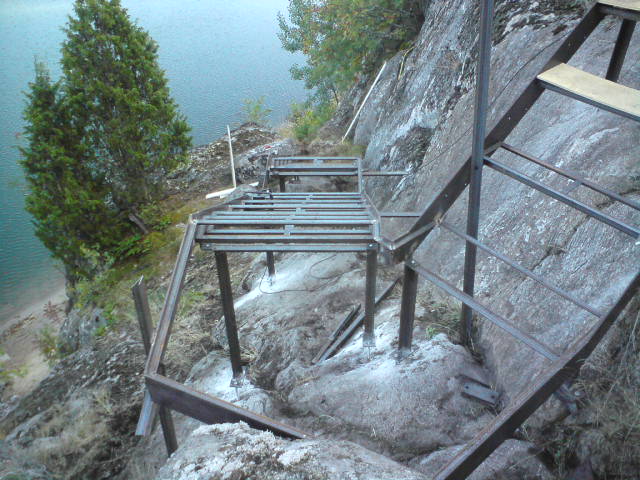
(590, 260)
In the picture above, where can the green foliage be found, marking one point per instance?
(255, 111)
(66, 199)
(8, 374)
(49, 345)
(132, 246)
(307, 118)
(100, 140)
(342, 38)
(117, 89)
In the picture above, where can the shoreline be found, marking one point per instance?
(36, 307)
(19, 340)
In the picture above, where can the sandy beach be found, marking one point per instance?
(19, 340)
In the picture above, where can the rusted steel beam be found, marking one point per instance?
(515, 414)
(497, 320)
(561, 197)
(220, 237)
(168, 314)
(573, 176)
(407, 310)
(263, 247)
(151, 410)
(212, 410)
(368, 338)
(226, 296)
(350, 330)
(525, 271)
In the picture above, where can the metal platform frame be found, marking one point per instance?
(348, 222)
(270, 222)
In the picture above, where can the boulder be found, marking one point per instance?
(235, 451)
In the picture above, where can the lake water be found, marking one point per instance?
(215, 54)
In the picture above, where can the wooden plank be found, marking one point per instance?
(592, 89)
(212, 410)
(625, 4)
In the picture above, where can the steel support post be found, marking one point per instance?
(271, 264)
(370, 296)
(620, 50)
(222, 265)
(141, 302)
(283, 183)
(407, 310)
(477, 154)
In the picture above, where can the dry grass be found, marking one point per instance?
(606, 430)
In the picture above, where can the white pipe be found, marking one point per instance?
(233, 168)
(363, 102)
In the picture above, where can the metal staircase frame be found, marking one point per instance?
(563, 366)
(289, 222)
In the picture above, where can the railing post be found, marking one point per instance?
(150, 409)
(407, 309)
(477, 158)
(226, 294)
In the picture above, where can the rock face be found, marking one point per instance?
(513, 460)
(421, 121)
(79, 328)
(208, 167)
(235, 451)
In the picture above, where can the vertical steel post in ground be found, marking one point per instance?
(222, 265)
(477, 154)
(271, 264)
(620, 49)
(141, 301)
(407, 309)
(370, 296)
(283, 183)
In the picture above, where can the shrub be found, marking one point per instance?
(255, 111)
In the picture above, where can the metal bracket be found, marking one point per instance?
(480, 393)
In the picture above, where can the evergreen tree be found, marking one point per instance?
(67, 201)
(116, 88)
(100, 140)
(342, 38)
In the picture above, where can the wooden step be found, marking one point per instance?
(594, 90)
(629, 9)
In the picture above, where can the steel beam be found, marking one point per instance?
(150, 409)
(368, 339)
(620, 49)
(497, 320)
(283, 184)
(525, 271)
(212, 410)
(407, 310)
(573, 176)
(350, 330)
(167, 316)
(226, 296)
(477, 155)
(544, 385)
(271, 264)
(561, 197)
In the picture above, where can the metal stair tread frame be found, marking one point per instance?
(607, 95)
(592, 89)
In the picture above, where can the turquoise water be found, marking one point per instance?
(215, 54)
